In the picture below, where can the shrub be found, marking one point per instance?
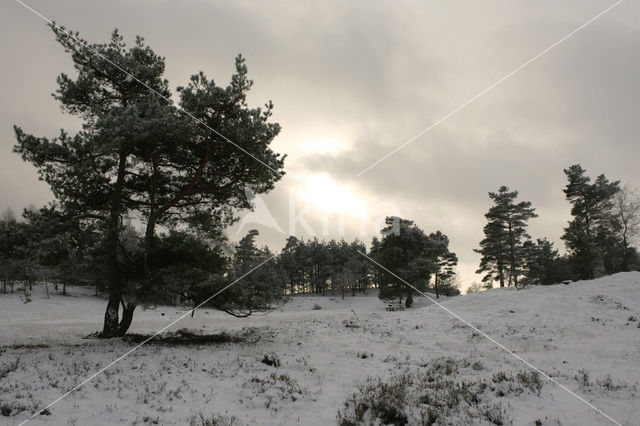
(530, 380)
(9, 367)
(215, 420)
(276, 387)
(271, 360)
(433, 394)
(583, 378)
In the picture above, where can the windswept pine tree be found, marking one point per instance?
(502, 248)
(138, 155)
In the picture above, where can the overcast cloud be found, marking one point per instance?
(352, 80)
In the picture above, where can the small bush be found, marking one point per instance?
(271, 360)
(377, 399)
(12, 409)
(608, 384)
(583, 378)
(215, 420)
(351, 323)
(530, 380)
(276, 387)
(316, 307)
(9, 367)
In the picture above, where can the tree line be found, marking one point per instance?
(51, 245)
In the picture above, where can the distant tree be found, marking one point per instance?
(291, 263)
(8, 216)
(412, 255)
(476, 287)
(403, 251)
(505, 234)
(259, 291)
(320, 266)
(493, 249)
(443, 263)
(542, 263)
(357, 268)
(375, 272)
(61, 244)
(591, 235)
(626, 209)
(13, 252)
(450, 285)
(46, 243)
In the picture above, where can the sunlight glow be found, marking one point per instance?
(330, 197)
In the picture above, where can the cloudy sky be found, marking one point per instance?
(353, 80)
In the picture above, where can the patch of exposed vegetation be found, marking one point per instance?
(185, 337)
(443, 391)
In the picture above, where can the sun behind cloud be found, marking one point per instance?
(331, 197)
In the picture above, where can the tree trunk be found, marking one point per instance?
(436, 286)
(625, 262)
(110, 328)
(111, 316)
(127, 318)
(113, 327)
(512, 258)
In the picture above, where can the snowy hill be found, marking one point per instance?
(299, 364)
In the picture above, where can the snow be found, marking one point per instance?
(587, 328)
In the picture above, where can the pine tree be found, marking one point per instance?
(444, 261)
(627, 211)
(494, 254)
(290, 263)
(505, 233)
(137, 155)
(590, 237)
(412, 255)
(542, 263)
(258, 291)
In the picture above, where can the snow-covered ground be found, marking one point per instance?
(585, 335)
